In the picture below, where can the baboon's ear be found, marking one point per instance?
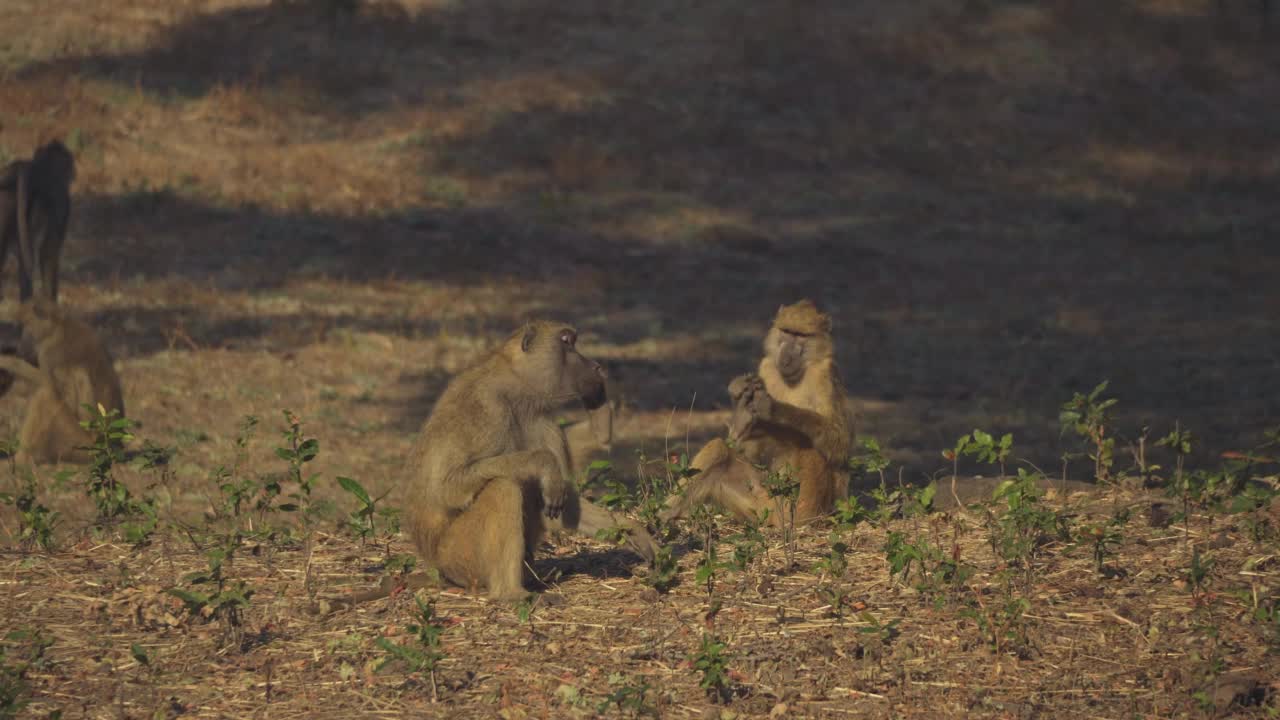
(529, 333)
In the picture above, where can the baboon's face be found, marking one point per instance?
(789, 350)
(793, 351)
(800, 336)
(551, 348)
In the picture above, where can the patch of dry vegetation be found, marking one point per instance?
(1107, 602)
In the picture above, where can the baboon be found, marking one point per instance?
(791, 416)
(490, 472)
(74, 369)
(36, 195)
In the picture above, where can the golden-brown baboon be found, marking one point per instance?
(75, 369)
(790, 416)
(35, 195)
(490, 472)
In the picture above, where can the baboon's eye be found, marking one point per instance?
(568, 338)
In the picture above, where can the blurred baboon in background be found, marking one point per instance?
(74, 370)
(35, 206)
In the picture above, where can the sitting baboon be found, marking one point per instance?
(490, 472)
(36, 195)
(74, 369)
(792, 416)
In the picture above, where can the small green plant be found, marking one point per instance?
(137, 519)
(871, 460)
(109, 430)
(748, 543)
(1179, 441)
(616, 495)
(1003, 625)
(298, 450)
(225, 600)
(145, 660)
(22, 651)
(783, 488)
(35, 521)
(1267, 614)
(1102, 537)
(712, 661)
(835, 563)
(1198, 575)
(363, 520)
(937, 573)
(628, 696)
(1019, 530)
(984, 447)
(1089, 417)
(903, 501)
(665, 573)
(832, 569)
(424, 654)
(883, 632)
(848, 513)
(653, 489)
(704, 520)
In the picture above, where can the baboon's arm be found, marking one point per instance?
(21, 368)
(829, 436)
(593, 518)
(463, 484)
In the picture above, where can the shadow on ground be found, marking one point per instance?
(998, 207)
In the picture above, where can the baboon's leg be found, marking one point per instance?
(725, 480)
(820, 486)
(51, 433)
(8, 229)
(485, 545)
(57, 214)
(24, 273)
(51, 254)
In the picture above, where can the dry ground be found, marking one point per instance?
(1000, 202)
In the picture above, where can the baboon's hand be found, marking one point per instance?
(555, 493)
(742, 384)
(744, 389)
(759, 404)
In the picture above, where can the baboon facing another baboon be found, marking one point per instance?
(791, 416)
(74, 369)
(35, 197)
(490, 473)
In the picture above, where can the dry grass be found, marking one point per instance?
(1001, 203)
(1137, 643)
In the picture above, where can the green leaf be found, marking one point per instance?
(140, 654)
(926, 495)
(354, 488)
(195, 600)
